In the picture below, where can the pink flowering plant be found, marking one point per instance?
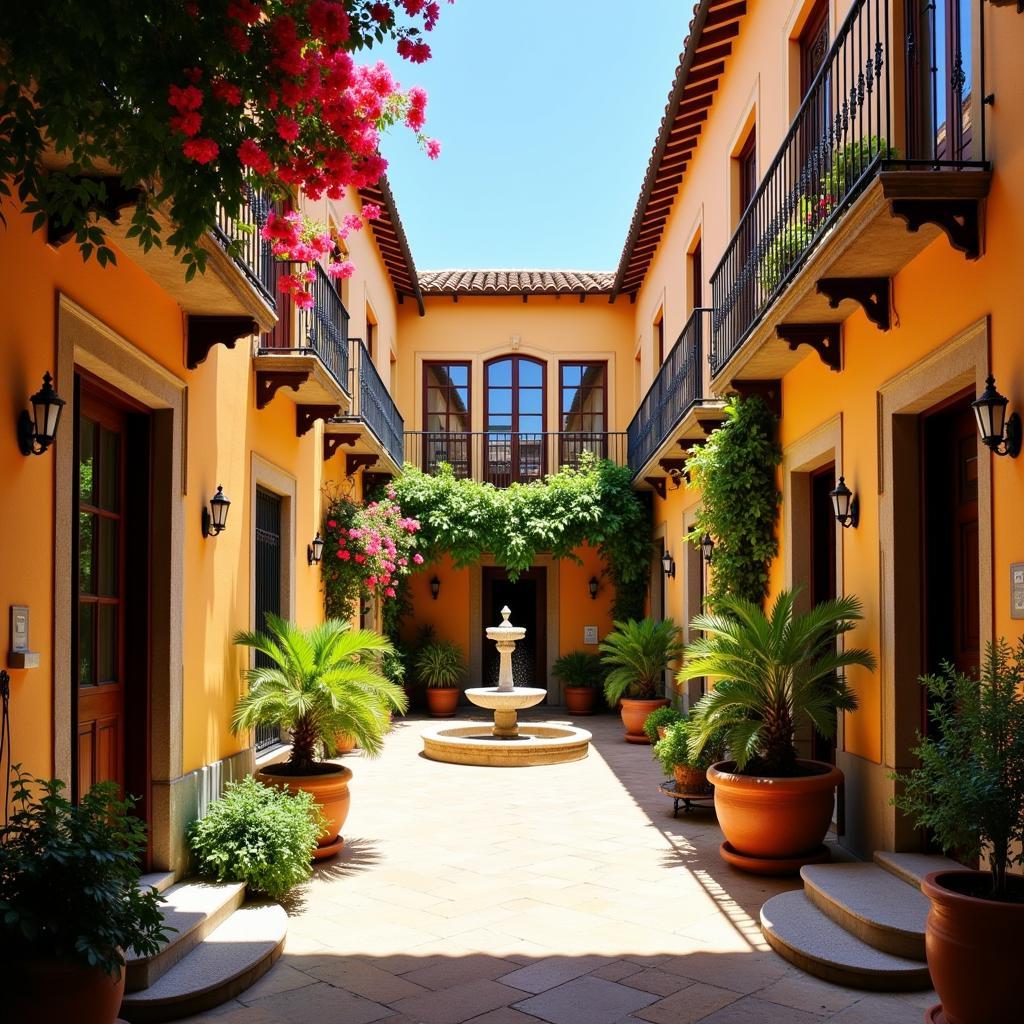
(369, 550)
(180, 107)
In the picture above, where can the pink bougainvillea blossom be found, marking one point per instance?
(200, 150)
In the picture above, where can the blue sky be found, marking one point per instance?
(547, 111)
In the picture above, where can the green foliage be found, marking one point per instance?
(734, 471)
(579, 668)
(660, 718)
(69, 877)
(260, 835)
(594, 505)
(317, 683)
(676, 747)
(636, 655)
(439, 664)
(773, 673)
(969, 788)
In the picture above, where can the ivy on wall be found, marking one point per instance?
(735, 472)
(593, 504)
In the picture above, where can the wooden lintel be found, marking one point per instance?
(769, 391)
(658, 484)
(358, 461)
(825, 339)
(206, 331)
(269, 382)
(874, 294)
(307, 415)
(960, 219)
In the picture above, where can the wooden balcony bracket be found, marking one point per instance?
(307, 415)
(708, 425)
(688, 443)
(658, 483)
(361, 460)
(960, 219)
(874, 294)
(823, 338)
(371, 481)
(673, 466)
(769, 391)
(206, 331)
(269, 382)
(332, 442)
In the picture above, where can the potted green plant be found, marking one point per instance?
(70, 902)
(969, 792)
(676, 757)
(580, 673)
(659, 720)
(439, 667)
(773, 673)
(318, 683)
(636, 655)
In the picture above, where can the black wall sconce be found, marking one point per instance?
(592, 584)
(707, 547)
(668, 565)
(38, 430)
(315, 550)
(845, 506)
(435, 587)
(215, 518)
(999, 433)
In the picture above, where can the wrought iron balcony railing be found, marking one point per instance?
(504, 457)
(242, 237)
(373, 405)
(678, 386)
(324, 328)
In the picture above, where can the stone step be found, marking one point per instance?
(159, 880)
(194, 910)
(797, 930)
(871, 903)
(912, 867)
(223, 965)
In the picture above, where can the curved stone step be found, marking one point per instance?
(801, 933)
(224, 964)
(193, 910)
(912, 867)
(871, 903)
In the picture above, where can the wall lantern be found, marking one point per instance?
(592, 584)
(844, 504)
(215, 518)
(707, 547)
(38, 430)
(435, 587)
(315, 550)
(999, 434)
(668, 566)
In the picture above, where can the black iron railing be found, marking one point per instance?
(504, 457)
(242, 237)
(677, 387)
(324, 328)
(373, 405)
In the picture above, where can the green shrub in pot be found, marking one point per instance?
(579, 669)
(661, 718)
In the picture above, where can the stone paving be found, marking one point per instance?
(566, 894)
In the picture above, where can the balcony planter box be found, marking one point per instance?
(579, 700)
(442, 701)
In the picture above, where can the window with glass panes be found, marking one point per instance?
(583, 409)
(446, 416)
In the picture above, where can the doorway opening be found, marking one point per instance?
(526, 597)
(822, 581)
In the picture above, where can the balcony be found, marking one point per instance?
(674, 414)
(373, 428)
(503, 458)
(308, 353)
(840, 211)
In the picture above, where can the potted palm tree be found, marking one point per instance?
(969, 792)
(677, 759)
(580, 673)
(318, 683)
(772, 673)
(439, 667)
(636, 655)
(71, 903)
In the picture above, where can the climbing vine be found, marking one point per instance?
(735, 472)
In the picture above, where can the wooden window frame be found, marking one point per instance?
(562, 364)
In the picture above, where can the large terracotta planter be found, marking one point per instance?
(442, 701)
(774, 825)
(344, 743)
(973, 948)
(54, 991)
(329, 788)
(634, 713)
(579, 700)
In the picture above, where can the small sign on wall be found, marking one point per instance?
(1017, 590)
(590, 634)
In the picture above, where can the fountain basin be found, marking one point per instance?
(515, 699)
(475, 744)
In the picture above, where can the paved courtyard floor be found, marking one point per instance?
(565, 894)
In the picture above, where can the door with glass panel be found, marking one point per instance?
(514, 421)
(583, 425)
(446, 417)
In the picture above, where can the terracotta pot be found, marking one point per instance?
(579, 700)
(344, 743)
(329, 788)
(690, 780)
(442, 701)
(774, 818)
(634, 713)
(45, 991)
(662, 729)
(973, 950)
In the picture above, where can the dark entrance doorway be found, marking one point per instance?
(527, 599)
(267, 592)
(823, 572)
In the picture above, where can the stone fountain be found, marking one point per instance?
(503, 745)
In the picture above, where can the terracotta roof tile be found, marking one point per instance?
(516, 282)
